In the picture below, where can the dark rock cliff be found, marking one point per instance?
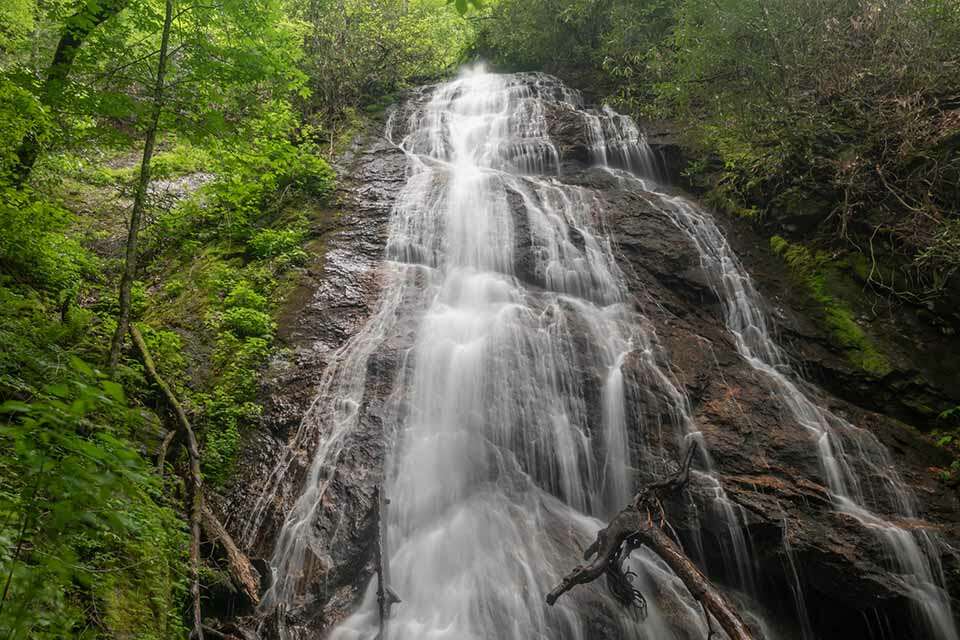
(767, 464)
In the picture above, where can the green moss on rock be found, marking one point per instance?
(811, 271)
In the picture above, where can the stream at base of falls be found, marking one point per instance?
(513, 432)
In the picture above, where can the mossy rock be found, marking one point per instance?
(815, 272)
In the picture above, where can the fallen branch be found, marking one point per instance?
(241, 570)
(196, 478)
(641, 524)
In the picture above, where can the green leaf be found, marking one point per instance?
(114, 390)
(15, 406)
(59, 390)
(81, 367)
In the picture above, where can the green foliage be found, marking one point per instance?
(358, 51)
(811, 271)
(77, 503)
(258, 92)
(274, 243)
(842, 111)
(20, 114)
(181, 159)
(464, 5)
(243, 295)
(230, 406)
(247, 323)
(35, 247)
(606, 44)
(265, 164)
(16, 22)
(947, 436)
(166, 347)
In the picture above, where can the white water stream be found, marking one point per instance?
(848, 455)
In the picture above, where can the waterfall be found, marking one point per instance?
(498, 469)
(514, 430)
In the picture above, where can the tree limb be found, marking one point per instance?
(244, 575)
(640, 524)
(196, 478)
(242, 571)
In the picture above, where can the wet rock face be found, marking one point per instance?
(337, 295)
(767, 463)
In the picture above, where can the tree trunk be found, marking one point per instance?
(140, 196)
(76, 29)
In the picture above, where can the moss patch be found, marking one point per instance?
(812, 271)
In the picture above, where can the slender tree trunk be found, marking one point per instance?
(140, 195)
(76, 29)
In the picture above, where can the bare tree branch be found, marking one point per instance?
(641, 524)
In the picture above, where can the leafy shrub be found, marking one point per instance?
(270, 243)
(35, 247)
(78, 502)
(182, 159)
(247, 323)
(174, 287)
(243, 295)
(268, 165)
(20, 114)
(166, 348)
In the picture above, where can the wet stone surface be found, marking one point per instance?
(766, 463)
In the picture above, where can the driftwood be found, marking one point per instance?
(241, 571)
(642, 524)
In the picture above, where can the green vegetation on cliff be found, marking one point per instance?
(813, 272)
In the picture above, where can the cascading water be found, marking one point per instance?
(847, 454)
(514, 432)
